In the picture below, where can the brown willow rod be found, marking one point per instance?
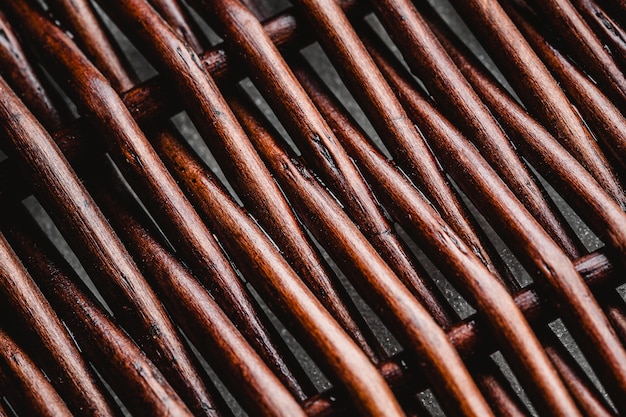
(616, 311)
(303, 121)
(95, 243)
(125, 367)
(605, 119)
(590, 401)
(329, 296)
(67, 369)
(328, 222)
(496, 388)
(359, 147)
(16, 70)
(26, 387)
(617, 9)
(179, 19)
(241, 305)
(142, 167)
(313, 135)
(452, 92)
(470, 338)
(577, 186)
(537, 88)
(302, 255)
(253, 251)
(583, 44)
(369, 391)
(265, 339)
(551, 267)
(79, 16)
(242, 369)
(414, 213)
(238, 158)
(153, 99)
(611, 34)
(307, 261)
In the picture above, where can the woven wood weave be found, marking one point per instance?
(201, 217)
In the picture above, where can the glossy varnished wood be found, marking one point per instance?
(136, 380)
(375, 280)
(18, 72)
(574, 183)
(277, 280)
(26, 387)
(313, 135)
(447, 251)
(208, 327)
(92, 238)
(537, 88)
(604, 118)
(553, 268)
(248, 317)
(68, 370)
(583, 44)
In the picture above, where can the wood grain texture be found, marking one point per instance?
(141, 386)
(18, 72)
(451, 255)
(571, 179)
(604, 26)
(376, 282)
(281, 285)
(537, 88)
(583, 44)
(604, 118)
(25, 385)
(68, 370)
(79, 16)
(308, 128)
(456, 98)
(91, 237)
(202, 319)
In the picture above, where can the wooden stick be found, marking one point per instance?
(240, 305)
(29, 391)
(135, 156)
(574, 183)
(81, 18)
(308, 128)
(177, 16)
(604, 118)
(537, 88)
(497, 388)
(69, 372)
(238, 365)
(515, 216)
(584, 392)
(584, 46)
(461, 104)
(327, 221)
(415, 214)
(133, 377)
(254, 252)
(92, 238)
(353, 138)
(605, 27)
(18, 72)
(469, 336)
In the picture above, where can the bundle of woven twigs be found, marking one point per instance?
(217, 283)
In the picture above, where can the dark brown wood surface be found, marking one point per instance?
(201, 255)
(537, 88)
